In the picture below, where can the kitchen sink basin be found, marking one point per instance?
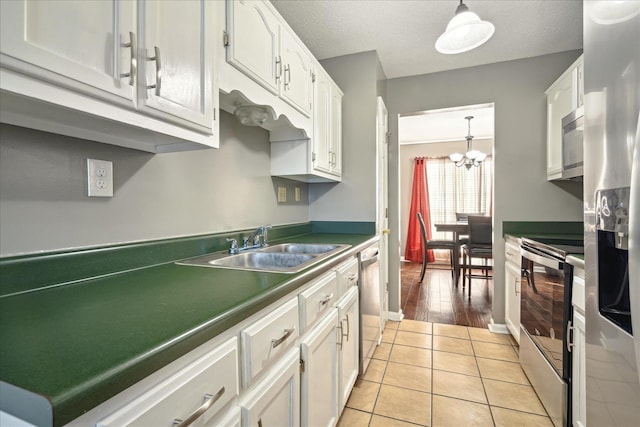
(301, 248)
(282, 258)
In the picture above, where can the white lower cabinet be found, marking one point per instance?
(348, 356)
(319, 378)
(578, 353)
(512, 273)
(204, 387)
(275, 400)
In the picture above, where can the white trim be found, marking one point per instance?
(498, 328)
(396, 316)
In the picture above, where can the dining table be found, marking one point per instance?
(458, 229)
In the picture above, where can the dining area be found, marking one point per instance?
(447, 268)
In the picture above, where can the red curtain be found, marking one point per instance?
(419, 203)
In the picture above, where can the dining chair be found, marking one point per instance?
(433, 244)
(479, 246)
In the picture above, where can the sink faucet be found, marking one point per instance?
(258, 239)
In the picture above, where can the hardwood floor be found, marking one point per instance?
(437, 300)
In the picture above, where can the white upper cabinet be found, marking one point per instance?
(267, 51)
(82, 41)
(139, 74)
(563, 96)
(177, 62)
(327, 137)
(335, 141)
(296, 86)
(253, 34)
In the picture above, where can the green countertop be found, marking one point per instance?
(80, 344)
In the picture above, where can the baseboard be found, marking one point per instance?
(498, 328)
(396, 316)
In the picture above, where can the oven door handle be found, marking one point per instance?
(535, 256)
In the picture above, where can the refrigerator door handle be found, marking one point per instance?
(634, 245)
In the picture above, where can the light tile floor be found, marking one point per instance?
(436, 375)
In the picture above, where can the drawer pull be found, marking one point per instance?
(287, 334)
(209, 400)
(353, 277)
(326, 299)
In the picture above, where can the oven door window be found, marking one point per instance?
(542, 309)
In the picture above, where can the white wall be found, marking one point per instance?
(354, 199)
(521, 190)
(43, 202)
(434, 149)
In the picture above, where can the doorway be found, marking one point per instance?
(434, 135)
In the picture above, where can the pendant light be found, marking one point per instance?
(464, 32)
(472, 157)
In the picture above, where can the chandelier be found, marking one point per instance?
(464, 32)
(472, 157)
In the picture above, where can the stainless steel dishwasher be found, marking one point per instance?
(370, 312)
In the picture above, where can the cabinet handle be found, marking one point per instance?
(348, 328)
(352, 277)
(287, 76)
(278, 68)
(209, 400)
(326, 299)
(569, 337)
(278, 341)
(341, 335)
(158, 83)
(516, 285)
(133, 61)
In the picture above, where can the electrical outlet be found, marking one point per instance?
(282, 194)
(297, 195)
(99, 178)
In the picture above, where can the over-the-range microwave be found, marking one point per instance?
(572, 145)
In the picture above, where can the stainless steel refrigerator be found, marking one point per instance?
(612, 211)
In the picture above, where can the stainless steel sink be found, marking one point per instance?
(282, 258)
(302, 248)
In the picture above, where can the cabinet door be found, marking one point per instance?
(177, 62)
(321, 123)
(336, 132)
(253, 42)
(82, 43)
(296, 77)
(579, 375)
(512, 299)
(319, 380)
(559, 104)
(275, 401)
(349, 325)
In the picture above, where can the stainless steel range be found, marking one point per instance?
(546, 316)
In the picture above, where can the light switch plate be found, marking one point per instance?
(297, 194)
(99, 178)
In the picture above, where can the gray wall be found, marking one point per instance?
(433, 149)
(354, 199)
(43, 202)
(521, 190)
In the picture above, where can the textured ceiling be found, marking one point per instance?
(403, 32)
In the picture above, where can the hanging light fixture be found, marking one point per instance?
(464, 32)
(472, 157)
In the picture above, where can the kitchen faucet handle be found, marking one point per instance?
(234, 246)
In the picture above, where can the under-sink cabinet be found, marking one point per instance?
(139, 74)
(512, 275)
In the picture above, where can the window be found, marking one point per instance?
(455, 189)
